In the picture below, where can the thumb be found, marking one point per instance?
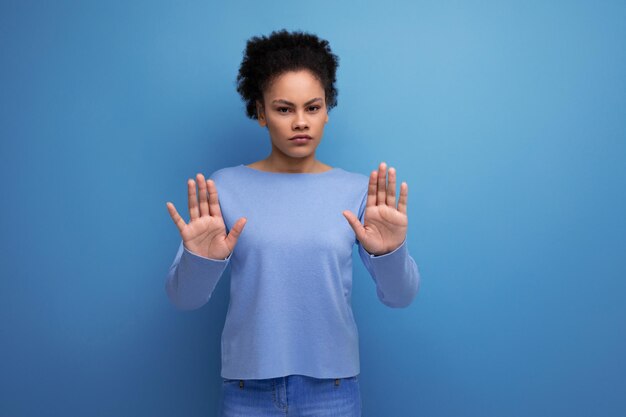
(231, 239)
(358, 228)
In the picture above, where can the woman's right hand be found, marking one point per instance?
(205, 234)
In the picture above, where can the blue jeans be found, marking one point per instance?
(291, 395)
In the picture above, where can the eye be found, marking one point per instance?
(314, 107)
(280, 109)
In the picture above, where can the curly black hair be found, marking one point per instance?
(266, 58)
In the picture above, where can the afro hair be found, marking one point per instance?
(266, 58)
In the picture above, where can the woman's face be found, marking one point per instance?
(294, 104)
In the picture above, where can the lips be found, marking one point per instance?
(301, 137)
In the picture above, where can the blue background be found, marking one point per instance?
(507, 120)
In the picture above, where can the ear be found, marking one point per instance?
(326, 118)
(260, 111)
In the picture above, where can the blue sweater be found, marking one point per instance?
(291, 273)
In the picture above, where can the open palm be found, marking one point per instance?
(205, 234)
(385, 226)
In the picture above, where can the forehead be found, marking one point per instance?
(295, 85)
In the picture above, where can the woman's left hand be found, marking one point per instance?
(385, 225)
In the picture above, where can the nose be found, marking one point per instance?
(300, 122)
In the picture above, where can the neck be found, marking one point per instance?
(301, 165)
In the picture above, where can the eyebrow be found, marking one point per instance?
(281, 101)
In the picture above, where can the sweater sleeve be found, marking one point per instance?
(395, 273)
(192, 278)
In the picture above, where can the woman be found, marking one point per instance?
(290, 342)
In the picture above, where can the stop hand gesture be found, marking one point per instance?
(384, 227)
(205, 234)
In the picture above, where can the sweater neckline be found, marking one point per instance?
(288, 173)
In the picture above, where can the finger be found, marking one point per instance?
(214, 202)
(193, 200)
(204, 203)
(178, 221)
(391, 189)
(404, 195)
(382, 184)
(355, 223)
(371, 189)
(235, 232)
